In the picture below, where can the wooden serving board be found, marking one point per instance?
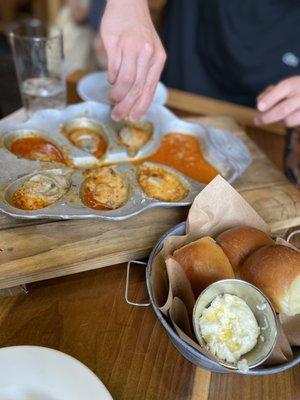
(37, 250)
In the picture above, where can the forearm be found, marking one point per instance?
(139, 7)
(135, 56)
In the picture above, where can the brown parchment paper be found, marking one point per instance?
(291, 327)
(216, 208)
(282, 352)
(181, 322)
(180, 285)
(283, 242)
(180, 319)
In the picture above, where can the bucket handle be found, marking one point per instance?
(292, 234)
(127, 284)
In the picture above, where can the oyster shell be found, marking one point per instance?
(160, 183)
(86, 134)
(104, 189)
(40, 190)
(134, 136)
(35, 147)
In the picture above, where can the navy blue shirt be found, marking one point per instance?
(231, 49)
(95, 14)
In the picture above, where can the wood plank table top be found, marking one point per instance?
(86, 316)
(39, 250)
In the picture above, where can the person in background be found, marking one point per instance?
(231, 50)
(242, 51)
(78, 36)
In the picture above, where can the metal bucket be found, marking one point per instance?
(186, 350)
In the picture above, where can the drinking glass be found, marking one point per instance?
(39, 62)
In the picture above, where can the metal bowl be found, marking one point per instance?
(260, 306)
(186, 350)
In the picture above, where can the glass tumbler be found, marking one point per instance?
(39, 62)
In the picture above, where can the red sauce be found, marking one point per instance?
(184, 153)
(89, 200)
(36, 148)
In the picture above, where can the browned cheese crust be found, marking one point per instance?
(104, 189)
(37, 192)
(160, 184)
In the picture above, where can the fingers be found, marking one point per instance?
(276, 94)
(279, 112)
(139, 96)
(114, 57)
(133, 50)
(262, 94)
(125, 78)
(293, 119)
(143, 103)
(280, 103)
(125, 97)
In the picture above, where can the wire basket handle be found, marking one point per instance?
(127, 284)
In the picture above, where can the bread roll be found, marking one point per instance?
(275, 270)
(238, 243)
(204, 262)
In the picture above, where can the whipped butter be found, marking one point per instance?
(229, 328)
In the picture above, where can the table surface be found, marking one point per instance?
(86, 316)
(34, 250)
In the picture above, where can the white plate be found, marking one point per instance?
(39, 373)
(94, 87)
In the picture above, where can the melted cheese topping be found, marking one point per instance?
(104, 189)
(39, 191)
(160, 184)
(229, 328)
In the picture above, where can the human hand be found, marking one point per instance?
(280, 103)
(135, 56)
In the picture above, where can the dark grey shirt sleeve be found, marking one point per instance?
(96, 11)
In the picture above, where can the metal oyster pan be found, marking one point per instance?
(71, 206)
(226, 152)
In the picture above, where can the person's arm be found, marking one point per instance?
(135, 56)
(280, 103)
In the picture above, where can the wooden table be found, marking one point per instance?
(86, 316)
